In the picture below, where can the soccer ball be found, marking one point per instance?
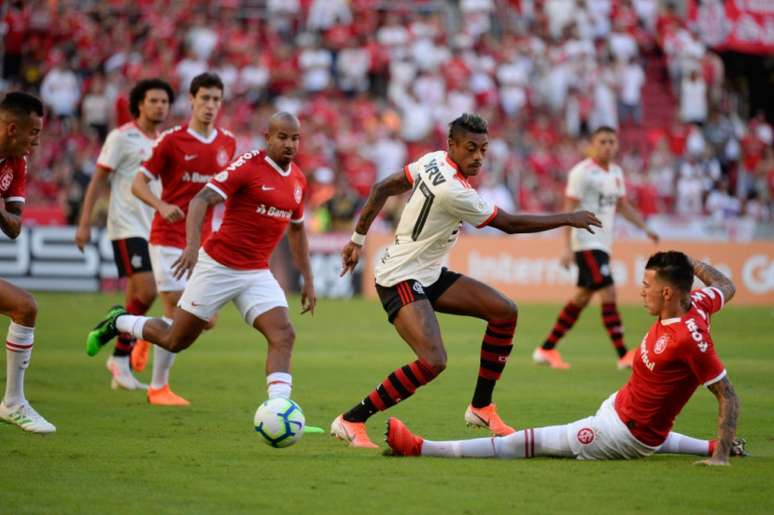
(280, 422)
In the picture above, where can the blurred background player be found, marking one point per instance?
(595, 184)
(676, 356)
(264, 196)
(412, 283)
(128, 222)
(184, 158)
(21, 120)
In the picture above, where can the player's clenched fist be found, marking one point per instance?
(584, 220)
(171, 213)
(350, 255)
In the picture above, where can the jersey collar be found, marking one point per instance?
(277, 167)
(670, 321)
(209, 139)
(601, 166)
(457, 175)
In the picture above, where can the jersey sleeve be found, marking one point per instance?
(232, 178)
(575, 183)
(110, 155)
(15, 191)
(709, 299)
(467, 205)
(154, 167)
(411, 170)
(298, 214)
(702, 358)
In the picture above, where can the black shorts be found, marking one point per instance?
(398, 295)
(131, 256)
(593, 269)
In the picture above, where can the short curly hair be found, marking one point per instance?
(468, 122)
(138, 92)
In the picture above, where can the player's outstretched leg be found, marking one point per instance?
(547, 354)
(467, 296)
(104, 331)
(14, 408)
(275, 326)
(527, 443)
(677, 443)
(418, 326)
(611, 319)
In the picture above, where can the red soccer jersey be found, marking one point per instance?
(675, 357)
(185, 161)
(13, 178)
(261, 199)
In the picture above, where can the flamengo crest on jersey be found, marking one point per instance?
(430, 222)
(598, 190)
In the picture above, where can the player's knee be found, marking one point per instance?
(26, 310)
(145, 296)
(283, 338)
(436, 361)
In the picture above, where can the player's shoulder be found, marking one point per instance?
(583, 167)
(14, 164)
(249, 158)
(227, 134)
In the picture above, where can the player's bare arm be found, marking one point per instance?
(628, 211)
(10, 219)
(395, 184)
(299, 249)
(141, 190)
(516, 223)
(728, 412)
(98, 187)
(711, 276)
(197, 209)
(570, 204)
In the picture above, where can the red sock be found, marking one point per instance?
(614, 326)
(495, 349)
(567, 318)
(125, 341)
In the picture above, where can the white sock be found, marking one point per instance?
(279, 384)
(677, 443)
(122, 362)
(162, 363)
(18, 352)
(133, 324)
(543, 441)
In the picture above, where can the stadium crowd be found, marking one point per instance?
(376, 82)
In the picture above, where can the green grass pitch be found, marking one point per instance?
(113, 453)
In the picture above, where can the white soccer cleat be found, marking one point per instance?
(122, 375)
(26, 418)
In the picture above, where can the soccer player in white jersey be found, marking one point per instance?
(595, 184)
(128, 223)
(676, 356)
(263, 194)
(413, 285)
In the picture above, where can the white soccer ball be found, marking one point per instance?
(280, 422)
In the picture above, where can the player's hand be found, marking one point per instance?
(308, 298)
(171, 213)
(184, 265)
(652, 235)
(350, 255)
(566, 259)
(82, 236)
(714, 461)
(584, 220)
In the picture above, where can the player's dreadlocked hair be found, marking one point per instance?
(19, 103)
(468, 123)
(674, 267)
(137, 94)
(205, 80)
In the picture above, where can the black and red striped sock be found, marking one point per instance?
(614, 326)
(567, 318)
(495, 349)
(125, 341)
(398, 386)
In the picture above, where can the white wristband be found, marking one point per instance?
(358, 239)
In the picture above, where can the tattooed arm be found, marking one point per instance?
(728, 412)
(10, 219)
(197, 208)
(393, 185)
(711, 276)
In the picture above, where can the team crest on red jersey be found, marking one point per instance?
(585, 435)
(222, 157)
(661, 344)
(6, 180)
(297, 194)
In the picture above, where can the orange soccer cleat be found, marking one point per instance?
(551, 358)
(140, 355)
(488, 418)
(402, 441)
(627, 360)
(353, 433)
(165, 397)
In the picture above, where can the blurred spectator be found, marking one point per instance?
(95, 108)
(631, 80)
(693, 98)
(60, 89)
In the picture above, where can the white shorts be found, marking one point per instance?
(162, 258)
(254, 292)
(605, 437)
